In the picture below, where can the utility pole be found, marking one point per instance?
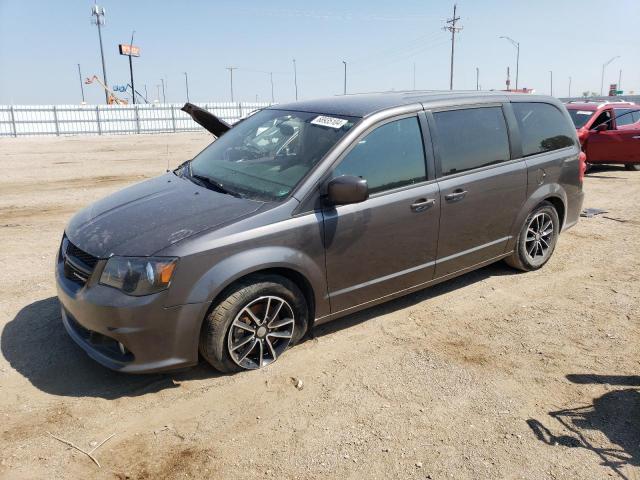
(164, 98)
(477, 78)
(517, 45)
(604, 65)
(81, 84)
(551, 73)
(231, 69)
(98, 12)
(186, 84)
(146, 94)
(345, 78)
(133, 88)
(271, 78)
(569, 87)
(295, 77)
(451, 27)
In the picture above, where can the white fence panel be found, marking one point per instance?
(23, 120)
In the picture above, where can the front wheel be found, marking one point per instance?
(537, 239)
(256, 321)
(633, 166)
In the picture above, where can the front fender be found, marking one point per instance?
(209, 286)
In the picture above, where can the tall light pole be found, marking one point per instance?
(477, 78)
(295, 77)
(551, 73)
(620, 80)
(517, 45)
(414, 75)
(164, 97)
(231, 69)
(186, 84)
(271, 79)
(345, 78)
(569, 87)
(98, 12)
(604, 65)
(81, 84)
(451, 27)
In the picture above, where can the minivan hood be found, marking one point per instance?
(149, 216)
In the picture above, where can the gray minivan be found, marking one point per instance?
(306, 212)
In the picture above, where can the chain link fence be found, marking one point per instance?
(25, 120)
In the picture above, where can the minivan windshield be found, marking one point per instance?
(266, 155)
(580, 117)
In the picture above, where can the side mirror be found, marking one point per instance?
(347, 189)
(602, 127)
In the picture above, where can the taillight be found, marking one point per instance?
(583, 166)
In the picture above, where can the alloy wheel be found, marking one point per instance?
(261, 332)
(539, 237)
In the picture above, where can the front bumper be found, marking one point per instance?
(154, 337)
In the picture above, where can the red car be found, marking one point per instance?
(609, 132)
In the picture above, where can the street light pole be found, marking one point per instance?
(345, 78)
(98, 12)
(517, 45)
(569, 87)
(477, 78)
(271, 78)
(604, 65)
(551, 73)
(295, 77)
(164, 98)
(186, 84)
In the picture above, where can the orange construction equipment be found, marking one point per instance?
(112, 99)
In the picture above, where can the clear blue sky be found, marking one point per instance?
(42, 41)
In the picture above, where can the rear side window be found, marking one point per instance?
(542, 128)
(391, 156)
(624, 116)
(471, 138)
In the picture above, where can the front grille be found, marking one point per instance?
(78, 264)
(86, 258)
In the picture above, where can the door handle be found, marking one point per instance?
(636, 137)
(456, 195)
(423, 204)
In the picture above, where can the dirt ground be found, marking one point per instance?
(496, 374)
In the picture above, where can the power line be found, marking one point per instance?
(451, 27)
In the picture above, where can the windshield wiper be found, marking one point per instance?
(185, 170)
(212, 184)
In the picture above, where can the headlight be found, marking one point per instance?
(138, 276)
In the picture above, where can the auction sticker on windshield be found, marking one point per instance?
(331, 122)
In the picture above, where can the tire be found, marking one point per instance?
(633, 166)
(533, 238)
(221, 339)
(588, 167)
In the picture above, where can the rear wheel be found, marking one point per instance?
(633, 166)
(252, 326)
(537, 239)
